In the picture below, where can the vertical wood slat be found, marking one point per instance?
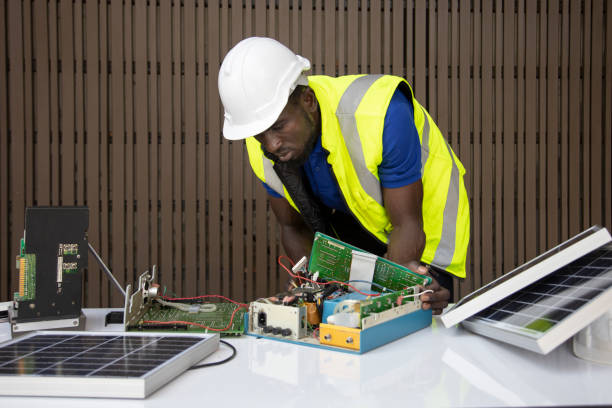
(608, 121)
(202, 123)
(27, 105)
(419, 85)
(542, 98)
(530, 129)
(586, 123)
(55, 102)
(67, 129)
(488, 192)
(176, 62)
(153, 135)
(463, 126)
(507, 139)
(564, 153)
(594, 118)
(214, 150)
(117, 101)
(190, 154)
(520, 131)
(574, 121)
(166, 148)
(249, 178)
(224, 220)
(552, 126)
(128, 176)
(105, 136)
(16, 119)
(476, 176)
(236, 270)
(443, 115)
(141, 156)
(79, 38)
(43, 165)
(500, 267)
(92, 120)
(5, 237)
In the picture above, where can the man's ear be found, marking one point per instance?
(309, 100)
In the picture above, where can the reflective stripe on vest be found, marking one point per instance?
(446, 248)
(271, 178)
(351, 98)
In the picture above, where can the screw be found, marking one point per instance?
(327, 337)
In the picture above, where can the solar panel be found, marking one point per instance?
(544, 302)
(549, 311)
(90, 364)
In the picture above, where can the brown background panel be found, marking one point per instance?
(114, 105)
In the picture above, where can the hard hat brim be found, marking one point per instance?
(239, 132)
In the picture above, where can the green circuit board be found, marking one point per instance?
(386, 302)
(332, 258)
(218, 319)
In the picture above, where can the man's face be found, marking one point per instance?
(294, 134)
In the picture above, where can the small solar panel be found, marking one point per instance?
(549, 311)
(89, 364)
(544, 302)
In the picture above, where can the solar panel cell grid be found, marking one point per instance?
(90, 355)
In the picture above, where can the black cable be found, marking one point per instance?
(217, 362)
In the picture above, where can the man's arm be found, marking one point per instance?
(295, 235)
(407, 240)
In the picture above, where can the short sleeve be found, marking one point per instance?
(401, 163)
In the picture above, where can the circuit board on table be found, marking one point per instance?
(147, 310)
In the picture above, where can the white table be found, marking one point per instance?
(434, 367)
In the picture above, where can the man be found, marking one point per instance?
(355, 157)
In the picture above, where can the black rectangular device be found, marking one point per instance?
(53, 253)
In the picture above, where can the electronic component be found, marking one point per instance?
(325, 310)
(279, 320)
(333, 260)
(53, 253)
(146, 309)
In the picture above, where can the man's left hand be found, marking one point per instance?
(437, 300)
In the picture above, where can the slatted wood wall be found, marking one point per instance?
(114, 105)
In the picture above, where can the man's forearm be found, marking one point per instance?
(297, 242)
(406, 244)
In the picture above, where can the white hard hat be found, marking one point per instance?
(255, 81)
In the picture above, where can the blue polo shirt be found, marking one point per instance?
(400, 166)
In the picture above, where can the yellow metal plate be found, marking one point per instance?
(339, 336)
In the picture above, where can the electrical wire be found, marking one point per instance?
(217, 362)
(322, 283)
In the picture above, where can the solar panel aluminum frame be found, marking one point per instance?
(526, 274)
(104, 386)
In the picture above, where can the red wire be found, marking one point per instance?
(323, 283)
(198, 324)
(204, 296)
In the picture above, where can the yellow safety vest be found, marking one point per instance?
(353, 110)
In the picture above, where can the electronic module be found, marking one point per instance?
(52, 256)
(346, 299)
(147, 309)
